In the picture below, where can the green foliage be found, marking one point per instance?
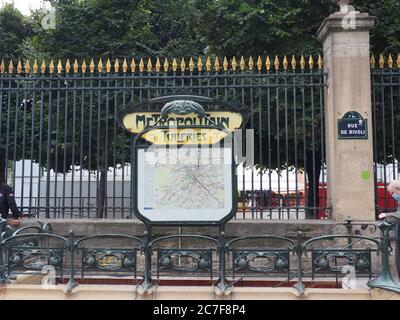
(385, 37)
(14, 28)
(237, 27)
(124, 28)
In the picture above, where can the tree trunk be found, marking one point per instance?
(313, 184)
(101, 193)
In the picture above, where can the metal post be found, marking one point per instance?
(3, 270)
(223, 286)
(299, 286)
(71, 246)
(147, 283)
(349, 228)
(385, 280)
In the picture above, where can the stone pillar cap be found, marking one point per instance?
(334, 23)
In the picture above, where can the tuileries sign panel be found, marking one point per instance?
(184, 136)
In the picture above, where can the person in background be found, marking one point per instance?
(394, 217)
(7, 203)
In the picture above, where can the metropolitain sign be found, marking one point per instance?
(136, 122)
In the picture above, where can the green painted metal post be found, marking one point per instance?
(71, 246)
(385, 280)
(147, 283)
(299, 251)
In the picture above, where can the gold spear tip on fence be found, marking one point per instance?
(10, 67)
(225, 64)
(320, 62)
(208, 64)
(259, 63)
(199, 64)
(133, 65)
(149, 65)
(76, 66)
(285, 63)
(83, 67)
(158, 65)
(183, 65)
(51, 66)
(372, 61)
(59, 66)
(217, 64)
(381, 61)
(116, 65)
(311, 62)
(43, 66)
(276, 62)
(35, 67)
(242, 64)
(302, 62)
(141, 65)
(166, 65)
(234, 63)
(27, 66)
(268, 63)
(174, 65)
(108, 65)
(125, 66)
(67, 67)
(398, 61)
(390, 61)
(100, 66)
(91, 66)
(2, 66)
(19, 66)
(294, 62)
(191, 64)
(251, 63)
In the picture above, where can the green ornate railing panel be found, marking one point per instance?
(271, 257)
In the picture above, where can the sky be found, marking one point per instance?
(25, 5)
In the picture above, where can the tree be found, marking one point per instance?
(99, 28)
(14, 28)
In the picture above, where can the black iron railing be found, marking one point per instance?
(65, 154)
(386, 109)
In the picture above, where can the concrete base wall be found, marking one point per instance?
(235, 228)
(123, 292)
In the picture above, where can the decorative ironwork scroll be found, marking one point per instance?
(116, 260)
(185, 260)
(260, 261)
(331, 261)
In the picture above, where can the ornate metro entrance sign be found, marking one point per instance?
(184, 160)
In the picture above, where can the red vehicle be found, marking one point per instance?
(384, 200)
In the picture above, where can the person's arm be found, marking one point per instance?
(394, 218)
(11, 203)
(391, 217)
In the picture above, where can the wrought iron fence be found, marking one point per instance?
(63, 151)
(386, 116)
(227, 263)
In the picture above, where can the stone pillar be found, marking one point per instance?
(345, 38)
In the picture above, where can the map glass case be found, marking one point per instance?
(184, 183)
